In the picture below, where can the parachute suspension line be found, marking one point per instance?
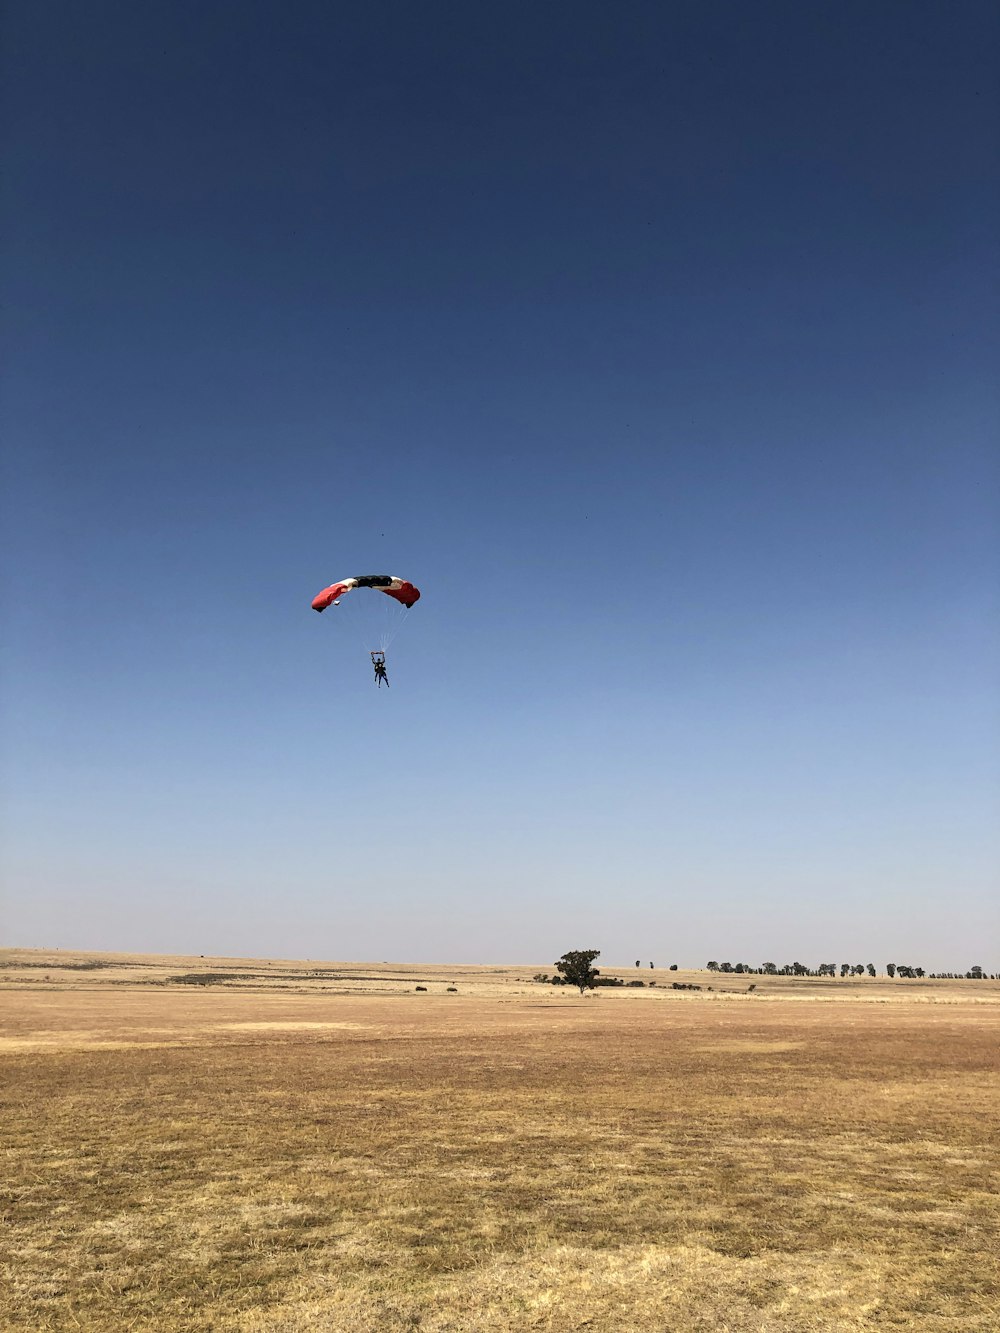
(388, 609)
(395, 618)
(376, 623)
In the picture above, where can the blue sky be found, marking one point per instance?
(655, 343)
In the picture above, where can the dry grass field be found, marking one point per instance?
(319, 1148)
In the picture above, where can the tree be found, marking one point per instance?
(890, 969)
(712, 967)
(871, 969)
(577, 967)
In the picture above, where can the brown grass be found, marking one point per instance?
(287, 1154)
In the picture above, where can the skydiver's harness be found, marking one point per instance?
(378, 662)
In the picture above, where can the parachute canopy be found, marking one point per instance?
(388, 583)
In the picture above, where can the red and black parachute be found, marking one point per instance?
(386, 583)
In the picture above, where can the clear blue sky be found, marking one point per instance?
(655, 342)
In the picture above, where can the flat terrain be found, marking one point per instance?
(269, 1147)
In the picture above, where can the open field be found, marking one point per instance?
(317, 1147)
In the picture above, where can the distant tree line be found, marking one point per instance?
(849, 970)
(973, 974)
(796, 969)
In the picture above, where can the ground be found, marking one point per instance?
(275, 1147)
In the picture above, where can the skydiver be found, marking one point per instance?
(378, 662)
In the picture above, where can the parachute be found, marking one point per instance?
(375, 605)
(392, 587)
